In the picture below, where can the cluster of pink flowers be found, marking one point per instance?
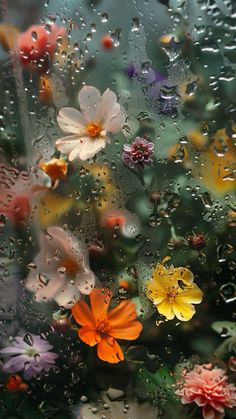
(209, 388)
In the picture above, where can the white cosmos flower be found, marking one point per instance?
(88, 129)
(60, 271)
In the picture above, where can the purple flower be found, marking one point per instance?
(138, 154)
(30, 354)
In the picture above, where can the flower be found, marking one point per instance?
(30, 354)
(37, 45)
(216, 167)
(102, 328)
(15, 384)
(60, 270)
(138, 154)
(56, 169)
(173, 292)
(208, 387)
(100, 114)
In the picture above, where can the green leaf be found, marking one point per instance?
(224, 328)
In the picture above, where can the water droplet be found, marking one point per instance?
(228, 292)
(28, 339)
(135, 24)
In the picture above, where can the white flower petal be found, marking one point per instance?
(85, 282)
(68, 296)
(87, 149)
(66, 144)
(108, 100)
(114, 121)
(89, 100)
(72, 121)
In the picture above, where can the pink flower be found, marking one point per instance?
(208, 387)
(60, 271)
(88, 129)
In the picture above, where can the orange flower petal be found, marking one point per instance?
(110, 351)
(100, 299)
(129, 331)
(82, 314)
(89, 335)
(123, 313)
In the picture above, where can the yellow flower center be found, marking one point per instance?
(94, 129)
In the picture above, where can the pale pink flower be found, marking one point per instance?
(208, 387)
(89, 129)
(60, 271)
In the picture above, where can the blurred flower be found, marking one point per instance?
(216, 168)
(122, 220)
(173, 292)
(8, 35)
(138, 154)
(196, 241)
(37, 45)
(60, 271)
(52, 207)
(208, 387)
(56, 169)
(30, 354)
(107, 41)
(102, 328)
(15, 384)
(16, 193)
(100, 114)
(45, 90)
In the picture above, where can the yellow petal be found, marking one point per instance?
(192, 294)
(51, 208)
(166, 309)
(182, 310)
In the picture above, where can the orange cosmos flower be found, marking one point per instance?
(15, 384)
(55, 168)
(102, 328)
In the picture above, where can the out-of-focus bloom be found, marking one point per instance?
(88, 129)
(52, 207)
(196, 241)
(36, 46)
(56, 169)
(173, 292)
(15, 384)
(107, 42)
(15, 193)
(60, 271)
(208, 387)
(124, 221)
(138, 154)
(30, 354)
(102, 328)
(216, 168)
(45, 90)
(8, 35)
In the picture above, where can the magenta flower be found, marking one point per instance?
(138, 154)
(30, 354)
(208, 387)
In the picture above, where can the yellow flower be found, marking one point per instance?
(216, 168)
(173, 292)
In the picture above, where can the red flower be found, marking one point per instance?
(37, 45)
(15, 384)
